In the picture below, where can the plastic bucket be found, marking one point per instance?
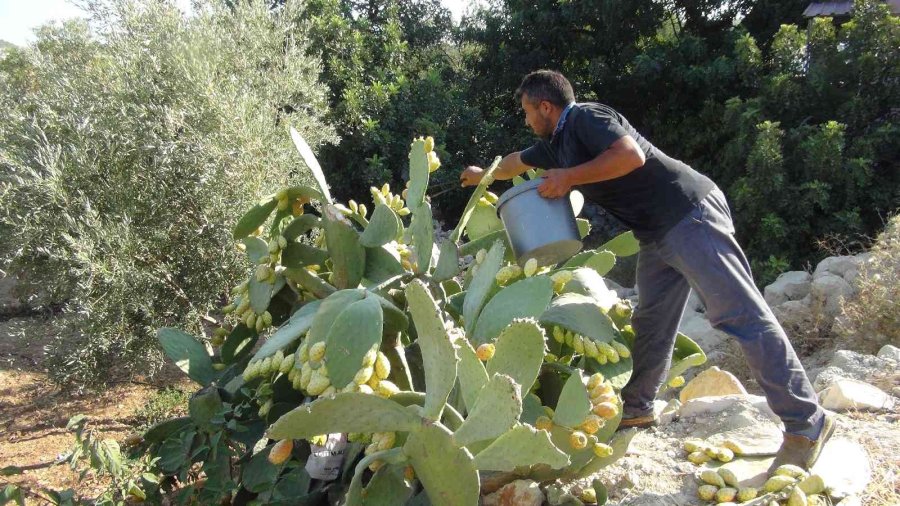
(539, 228)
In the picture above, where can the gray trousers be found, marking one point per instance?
(700, 252)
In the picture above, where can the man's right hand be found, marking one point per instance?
(471, 176)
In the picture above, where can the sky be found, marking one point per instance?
(18, 18)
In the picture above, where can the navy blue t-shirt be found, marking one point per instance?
(650, 199)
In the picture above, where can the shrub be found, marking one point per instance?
(127, 144)
(871, 319)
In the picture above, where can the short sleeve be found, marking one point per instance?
(538, 156)
(597, 131)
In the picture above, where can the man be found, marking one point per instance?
(687, 241)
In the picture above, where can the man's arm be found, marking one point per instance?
(510, 166)
(623, 156)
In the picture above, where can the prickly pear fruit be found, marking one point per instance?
(711, 477)
(812, 484)
(219, 366)
(591, 424)
(370, 357)
(363, 375)
(729, 477)
(264, 409)
(365, 389)
(816, 500)
(724, 455)
(726, 494)
(382, 366)
(317, 383)
(530, 267)
(429, 143)
(590, 348)
(319, 440)
(317, 352)
(602, 450)
(790, 470)
(559, 335)
(434, 163)
(578, 439)
(698, 458)
(386, 440)
(606, 410)
(296, 208)
(734, 447)
(621, 349)
(543, 423)
(485, 352)
(746, 494)
(305, 375)
(778, 482)
(707, 492)
(329, 392)
(588, 495)
(386, 389)
(594, 381)
(479, 257)
(281, 451)
(578, 343)
(560, 279)
(797, 498)
(283, 204)
(676, 382)
(692, 445)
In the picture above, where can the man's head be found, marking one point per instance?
(543, 95)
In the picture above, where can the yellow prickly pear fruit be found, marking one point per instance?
(429, 143)
(364, 211)
(266, 366)
(353, 206)
(570, 338)
(746, 494)
(595, 380)
(386, 389)
(621, 349)
(365, 389)
(264, 409)
(287, 364)
(724, 455)
(281, 451)
(778, 482)
(602, 450)
(797, 498)
(303, 353)
(698, 458)
(812, 484)
(592, 424)
(387, 440)
(543, 423)
(363, 375)
(603, 389)
(676, 382)
(600, 358)
(317, 383)
(790, 470)
(711, 477)
(267, 318)
(559, 335)
(385, 189)
(578, 439)
(382, 366)
(317, 351)
(606, 410)
(492, 197)
(729, 477)
(329, 392)
(588, 495)
(297, 208)
(434, 163)
(403, 211)
(578, 343)
(692, 445)
(726, 494)
(369, 358)
(707, 492)
(530, 267)
(277, 357)
(250, 320)
(736, 448)
(590, 348)
(283, 204)
(485, 352)
(373, 382)
(260, 324)
(816, 500)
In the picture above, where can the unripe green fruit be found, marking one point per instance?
(797, 498)
(729, 477)
(698, 458)
(559, 335)
(530, 267)
(676, 382)
(317, 384)
(267, 318)
(588, 495)
(726, 494)
(711, 477)
(790, 470)
(287, 364)
(778, 482)
(303, 353)
(707, 492)
(812, 484)
(746, 494)
(264, 409)
(590, 348)
(306, 372)
(317, 351)
(621, 349)
(603, 450)
(578, 343)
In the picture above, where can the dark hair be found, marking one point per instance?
(546, 85)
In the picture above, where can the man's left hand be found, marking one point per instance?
(556, 184)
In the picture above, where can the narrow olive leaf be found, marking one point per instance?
(309, 158)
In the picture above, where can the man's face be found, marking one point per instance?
(537, 116)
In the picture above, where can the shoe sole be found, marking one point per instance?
(639, 422)
(827, 432)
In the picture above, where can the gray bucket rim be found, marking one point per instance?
(517, 190)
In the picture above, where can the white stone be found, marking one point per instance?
(517, 493)
(793, 313)
(844, 466)
(827, 292)
(844, 394)
(666, 412)
(697, 327)
(838, 266)
(792, 285)
(712, 382)
(852, 500)
(853, 365)
(708, 405)
(888, 352)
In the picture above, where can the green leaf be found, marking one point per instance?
(580, 314)
(299, 323)
(300, 225)
(297, 255)
(519, 353)
(162, 430)
(483, 221)
(204, 406)
(622, 245)
(311, 162)
(481, 285)
(328, 312)
(256, 248)
(259, 475)
(347, 254)
(448, 262)
(528, 297)
(356, 330)
(574, 404)
(496, 410)
(388, 487)
(254, 218)
(260, 295)
(238, 343)
(486, 179)
(472, 374)
(438, 354)
(174, 452)
(188, 354)
(522, 446)
(345, 412)
(418, 174)
(422, 230)
(383, 227)
(446, 471)
(11, 471)
(293, 485)
(602, 262)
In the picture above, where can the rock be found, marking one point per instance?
(697, 327)
(517, 493)
(888, 352)
(758, 440)
(844, 466)
(853, 365)
(851, 500)
(668, 412)
(711, 382)
(792, 285)
(841, 266)
(710, 405)
(844, 394)
(827, 291)
(793, 313)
